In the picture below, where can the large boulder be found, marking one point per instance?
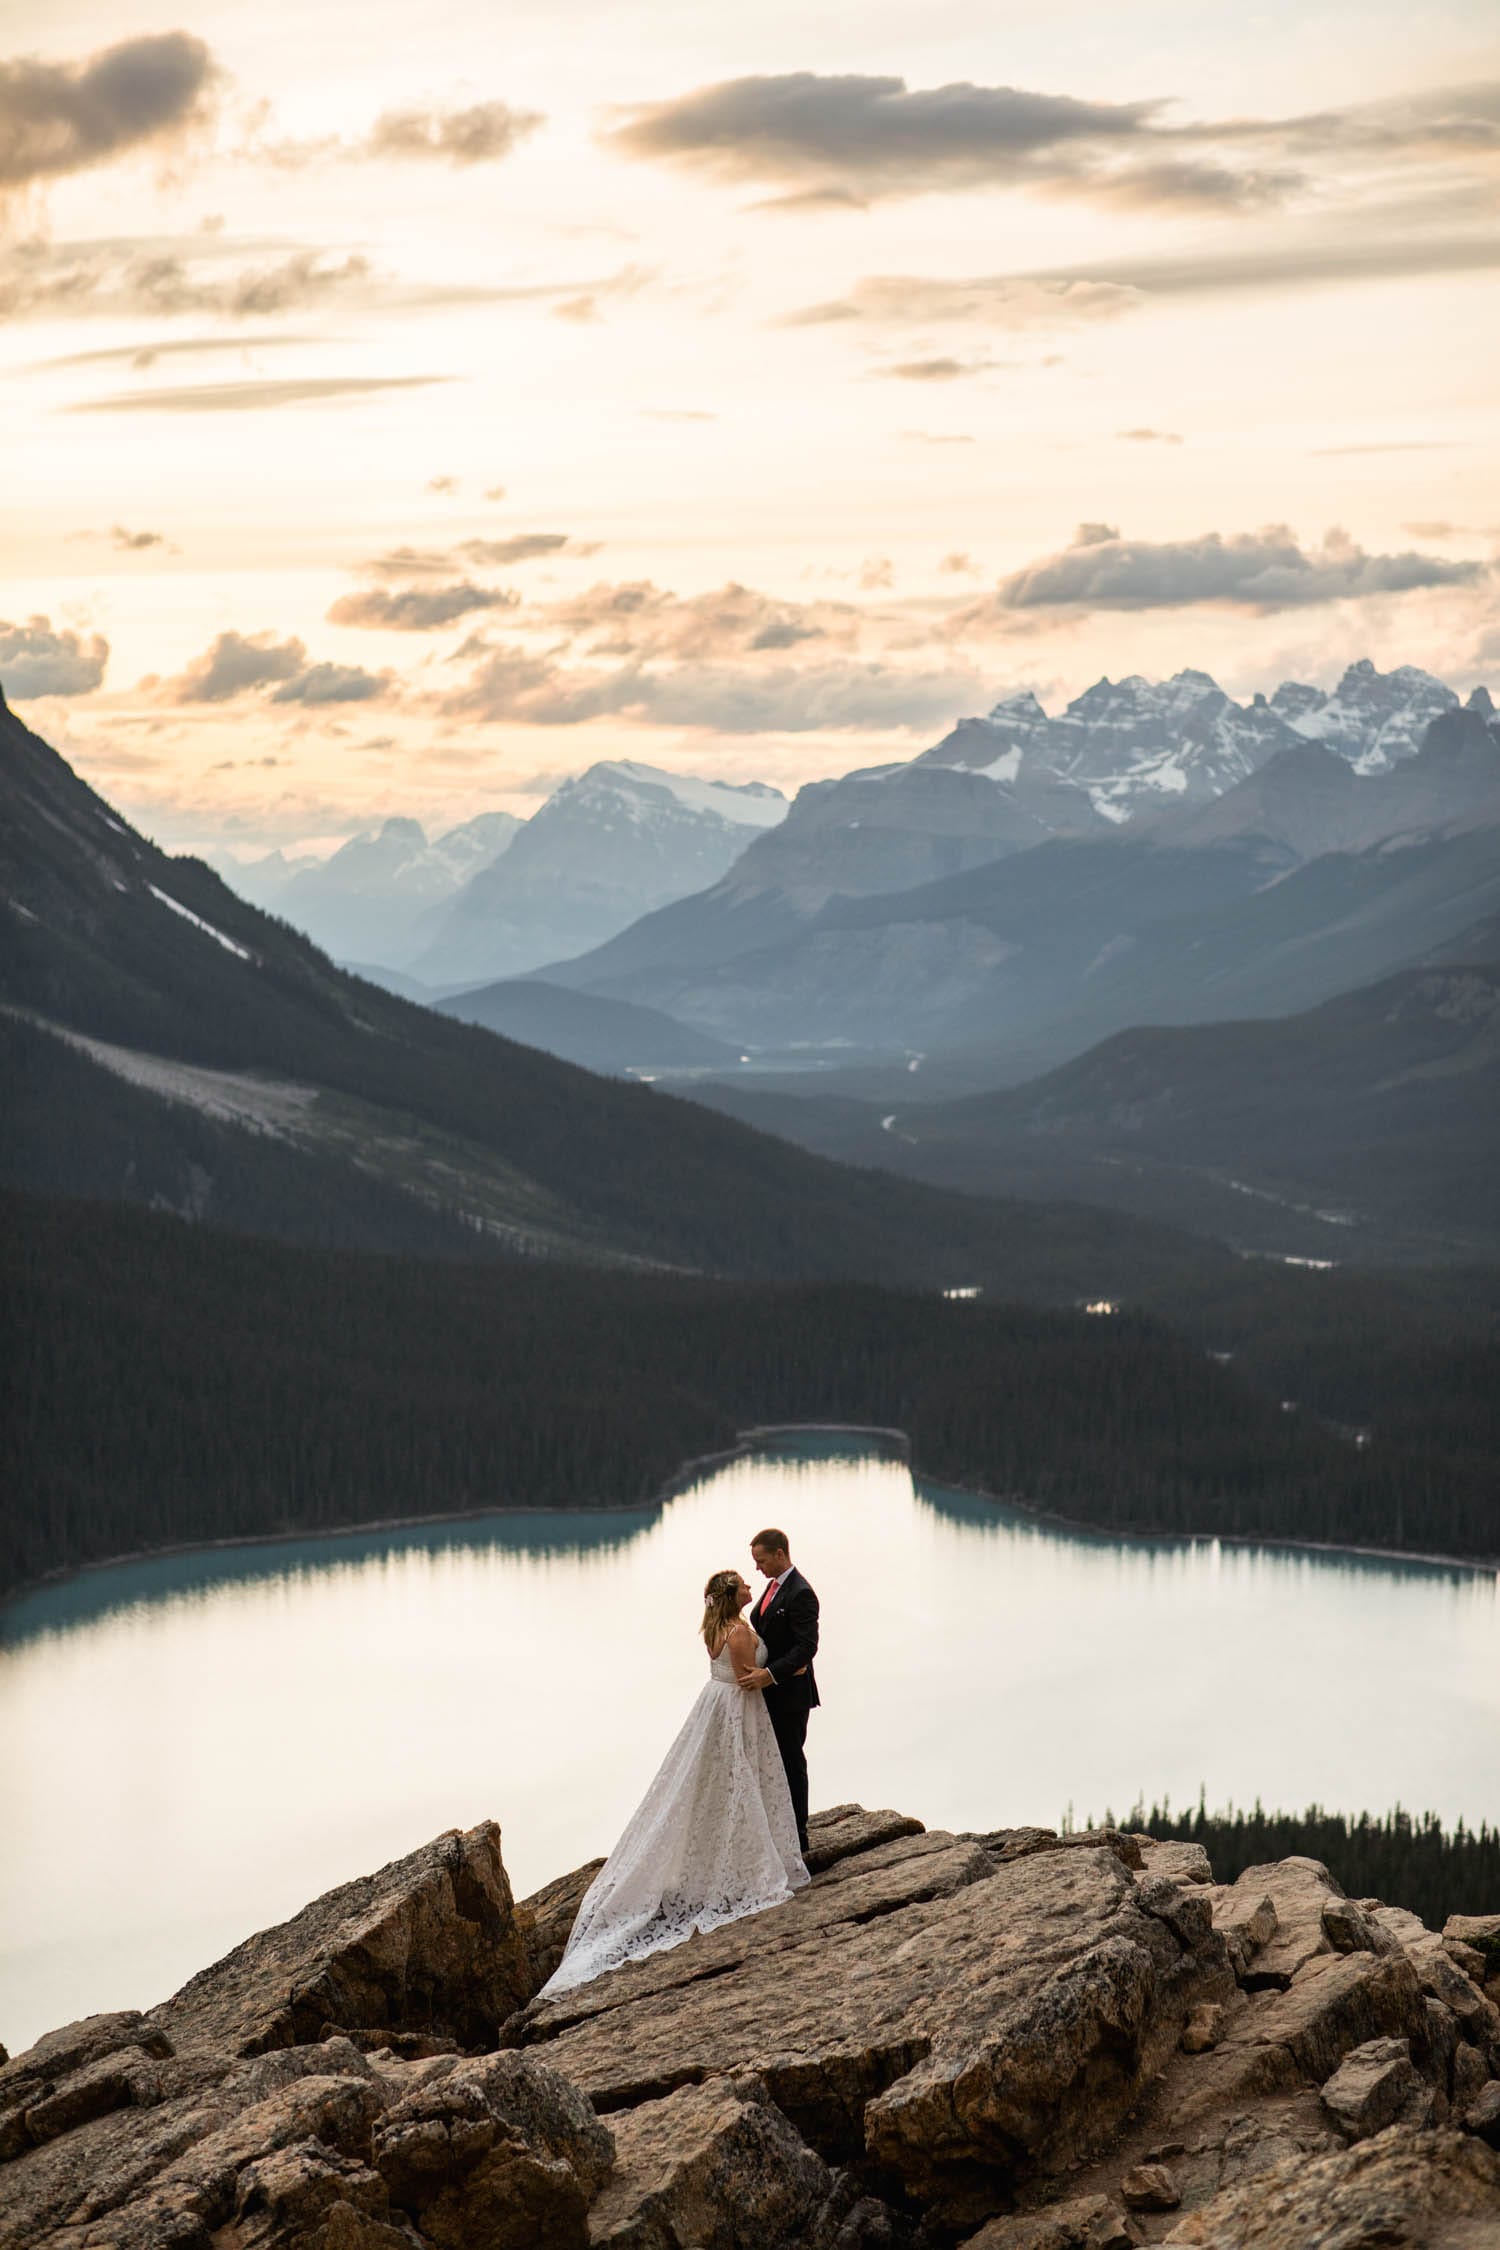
(430, 1944)
(712, 2167)
(1418, 2190)
(273, 2100)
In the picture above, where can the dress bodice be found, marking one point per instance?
(721, 1667)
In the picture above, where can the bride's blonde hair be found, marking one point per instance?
(719, 1610)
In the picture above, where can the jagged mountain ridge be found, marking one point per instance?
(1123, 757)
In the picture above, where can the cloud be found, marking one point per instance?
(524, 546)
(1171, 185)
(637, 619)
(489, 554)
(146, 355)
(675, 414)
(485, 133)
(61, 118)
(1079, 295)
(959, 565)
(35, 660)
(332, 683)
(480, 135)
(839, 697)
(442, 484)
(134, 542)
(156, 279)
(1008, 301)
(939, 369)
(238, 664)
(1150, 437)
(1393, 445)
(248, 397)
(853, 136)
(936, 437)
(417, 609)
(1260, 571)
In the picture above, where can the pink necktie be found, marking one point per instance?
(767, 1598)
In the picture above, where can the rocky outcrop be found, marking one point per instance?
(1013, 2040)
(1441, 2190)
(430, 1945)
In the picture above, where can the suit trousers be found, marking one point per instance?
(788, 1716)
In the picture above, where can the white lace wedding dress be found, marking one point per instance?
(713, 1838)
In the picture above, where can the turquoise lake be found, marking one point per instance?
(192, 1748)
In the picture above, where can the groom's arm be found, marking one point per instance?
(802, 1617)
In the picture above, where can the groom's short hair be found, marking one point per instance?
(772, 1542)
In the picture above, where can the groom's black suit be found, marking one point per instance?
(789, 1628)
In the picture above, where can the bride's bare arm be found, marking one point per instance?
(741, 1646)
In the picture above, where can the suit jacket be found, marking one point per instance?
(789, 1629)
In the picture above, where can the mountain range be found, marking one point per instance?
(167, 1043)
(1313, 871)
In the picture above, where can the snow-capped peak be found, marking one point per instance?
(1372, 718)
(750, 804)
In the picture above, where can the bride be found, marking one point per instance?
(715, 1836)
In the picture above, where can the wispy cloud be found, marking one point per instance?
(157, 279)
(482, 133)
(246, 397)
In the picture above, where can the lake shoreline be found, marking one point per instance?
(756, 1438)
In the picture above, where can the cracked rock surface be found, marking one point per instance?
(1012, 2040)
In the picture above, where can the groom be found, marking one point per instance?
(786, 1618)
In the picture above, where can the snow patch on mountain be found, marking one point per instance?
(198, 923)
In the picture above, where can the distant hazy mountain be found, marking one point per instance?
(366, 901)
(581, 1027)
(608, 846)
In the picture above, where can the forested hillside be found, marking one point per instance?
(170, 1383)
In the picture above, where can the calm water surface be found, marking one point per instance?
(192, 1748)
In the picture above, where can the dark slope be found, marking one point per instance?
(583, 1028)
(161, 1383)
(1365, 1128)
(102, 932)
(70, 1127)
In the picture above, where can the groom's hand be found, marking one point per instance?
(759, 1678)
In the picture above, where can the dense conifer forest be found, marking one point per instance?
(1403, 1860)
(171, 1383)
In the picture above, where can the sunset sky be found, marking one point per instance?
(404, 411)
